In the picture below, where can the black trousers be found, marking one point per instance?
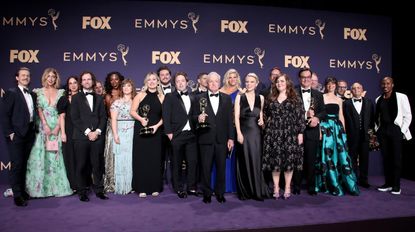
(311, 148)
(359, 152)
(390, 140)
(184, 147)
(89, 158)
(19, 151)
(210, 153)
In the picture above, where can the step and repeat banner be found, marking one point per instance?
(135, 38)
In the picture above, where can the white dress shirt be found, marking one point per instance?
(29, 101)
(358, 104)
(214, 101)
(186, 101)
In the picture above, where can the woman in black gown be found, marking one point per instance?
(250, 181)
(147, 149)
(65, 123)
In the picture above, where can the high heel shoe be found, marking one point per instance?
(286, 195)
(276, 194)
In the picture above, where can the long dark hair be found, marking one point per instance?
(67, 90)
(107, 84)
(291, 93)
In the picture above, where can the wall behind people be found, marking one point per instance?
(137, 37)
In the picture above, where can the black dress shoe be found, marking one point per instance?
(193, 193)
(83, 198)
(102, 196)
(364, 184)
(312, 192)
(25, 196)
(20, 201)
(296, 191)
(182, 194)
(220, 198)
(207, 199)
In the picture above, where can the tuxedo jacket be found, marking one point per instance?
(83, 118)
(313, 133)
(15, 113)
(175, 116)
(220, 125)
(351, 118)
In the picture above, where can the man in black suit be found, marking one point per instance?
(201, 83)
(18, 122)
(313, 104)
(89, 120)
(273, 74)
(216, 140)
(359, 119)
(179, 128)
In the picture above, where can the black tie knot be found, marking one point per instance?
(166, 87)
(214, 95)
(184, 93)
(25, 90)
(357, 100)
(89, 93)
(306, 91)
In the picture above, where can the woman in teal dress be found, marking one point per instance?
(122, 124)
(46, 173)
(335, 173)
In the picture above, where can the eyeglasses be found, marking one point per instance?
(342, 87)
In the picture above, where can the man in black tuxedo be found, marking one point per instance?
(89, 120)
(313, 104)
(18, 122)
(201, 83)
(359, 119)
(273, 75)
(165, 79)
(216, 140)
(179, 128)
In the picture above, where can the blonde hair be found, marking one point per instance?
(226, 78)
(254, 76)
(146, 78)
(45, 77)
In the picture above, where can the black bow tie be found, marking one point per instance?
(214, 95)
(89, 93)
(25, 90)
(184, 93)
(306, 90)
(166, 87)
(357, 100)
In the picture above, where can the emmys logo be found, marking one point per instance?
(233, 26)
(7, 166)
(97, 23)
(98, 56)
(183, 24)
(24, 56)
(124, 51)
(309, 30)
(194, 18)
(357, 64)
(32, 21)
(230, 58)
(296, 61)
(355, 33)
(53, 16)
(260, 54)
(377, 59)
(170, 57)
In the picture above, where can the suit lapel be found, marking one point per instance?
(179, 98)
(23, 99)
(86, 101)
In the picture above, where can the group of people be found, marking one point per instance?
(213, 139)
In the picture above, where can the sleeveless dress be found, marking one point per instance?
(123, 152)
(46, 173)
(109, 182)
(147, 150)
(250, 180)
(333, 164)
(230, 169)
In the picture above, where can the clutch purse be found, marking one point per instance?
(51, 145)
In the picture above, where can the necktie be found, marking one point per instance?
(214, 95)
(184, 93)
(166, 87)
(89, 93)
(25, 90)
(306, 91)
(357, 100)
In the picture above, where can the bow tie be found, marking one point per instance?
(25, 90)
(184, 93)
(167, 87)
(357, 100)
(306, 90)
(214, 95)
(89, 93)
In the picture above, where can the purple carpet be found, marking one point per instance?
(169, 213)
